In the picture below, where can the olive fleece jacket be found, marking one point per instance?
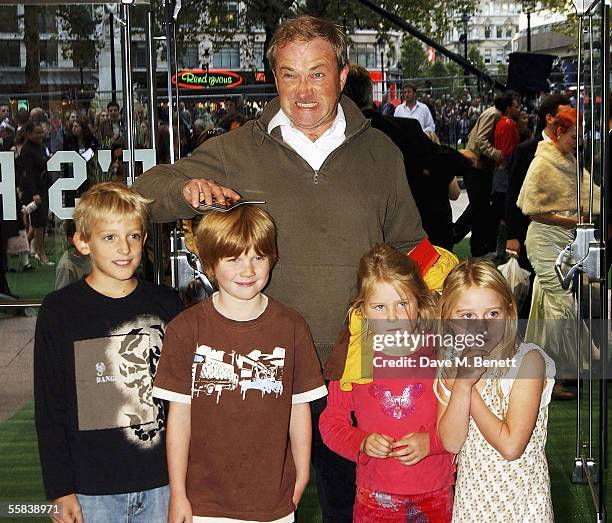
(325, 220)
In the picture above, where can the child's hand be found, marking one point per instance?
(179, 510)
(377, 445)
(298, 491)
(471, 373)
(412, 448)
(70, 510)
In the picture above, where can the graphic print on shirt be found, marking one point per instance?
(215, 371)
(114, 381)
(397, 406)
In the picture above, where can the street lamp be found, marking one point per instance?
(381, 46)
(528, 8)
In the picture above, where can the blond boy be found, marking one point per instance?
(101, 434)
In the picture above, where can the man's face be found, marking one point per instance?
(309, 84)
(4, 112)
(514, 111)
(552, 120)
(113, 113)
(409, 95)
(36, 136)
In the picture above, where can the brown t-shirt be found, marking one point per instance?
(241, 378)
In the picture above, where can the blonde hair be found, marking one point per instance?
(480, 274)
(227, 234)
(106, 200)
(384, 264)
(307, 28)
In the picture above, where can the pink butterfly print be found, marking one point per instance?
(397, 406)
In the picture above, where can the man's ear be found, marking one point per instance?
(81, 243)
(343, 76)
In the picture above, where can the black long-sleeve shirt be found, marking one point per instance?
(99, 429)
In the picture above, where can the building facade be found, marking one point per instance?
(490, 30)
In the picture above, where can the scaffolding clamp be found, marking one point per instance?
(578, 250)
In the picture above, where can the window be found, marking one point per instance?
(9, 57)
(227, 57)
(488, 31)
(487, 56)
(509, 31)
(364, 55)
(190, 57)
(499, 56)
(258, 55)
(139, 55)
(139, 17)
(46, 21)
(8, 15)
(227, 15)
(84, 53)
(499, 31)
(48, 53)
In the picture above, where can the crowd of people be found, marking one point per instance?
(451, 118)
(352, 195)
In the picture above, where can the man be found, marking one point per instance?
(430, 191)
(506, 138)
(5, 112)
(478, 181)
(411, 108)
(386, 107)
(112, 129)
(334, 186)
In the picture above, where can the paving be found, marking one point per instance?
(16, 362)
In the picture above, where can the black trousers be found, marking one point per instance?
(478, 185)
(335, 475)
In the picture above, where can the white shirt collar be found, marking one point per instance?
(314, 153)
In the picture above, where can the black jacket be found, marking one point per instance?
(516, 222)
(430, 191)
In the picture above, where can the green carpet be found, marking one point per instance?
(40, 281)
(20, 478)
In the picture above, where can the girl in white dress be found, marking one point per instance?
(494, 417)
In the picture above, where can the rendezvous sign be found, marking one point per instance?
(201, 79)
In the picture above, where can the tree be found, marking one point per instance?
(413, 58)
(438, 76)
(198, 17)
(475, 58)
(77, 23)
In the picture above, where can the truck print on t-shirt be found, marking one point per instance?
(215, 371)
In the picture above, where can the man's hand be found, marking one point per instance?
(412, 448)
(470, 155)
(514, 246)
(377, 445)
(179, 510)
(209, 191)
(70, 510)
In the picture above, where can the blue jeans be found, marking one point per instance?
(148, 506)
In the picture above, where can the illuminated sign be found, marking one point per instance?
(200, 79)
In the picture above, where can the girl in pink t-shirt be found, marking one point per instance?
(403, 472)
